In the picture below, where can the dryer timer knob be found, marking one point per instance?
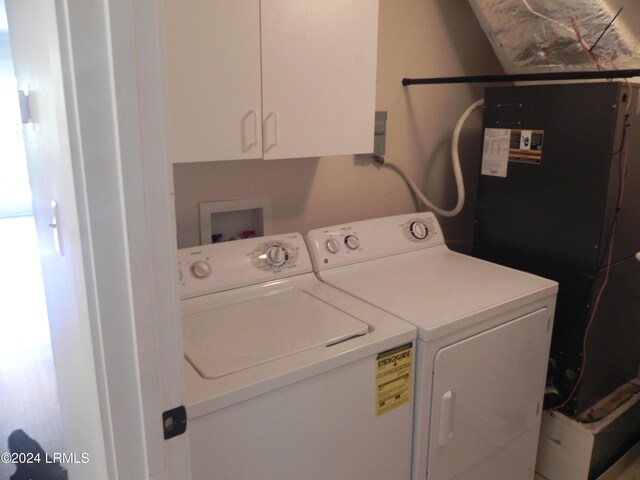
(418, 230)
(201, 269)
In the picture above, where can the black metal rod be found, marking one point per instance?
(525, 77)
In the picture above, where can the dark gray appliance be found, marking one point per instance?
(553, 213)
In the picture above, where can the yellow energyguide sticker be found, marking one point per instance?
(393, 378)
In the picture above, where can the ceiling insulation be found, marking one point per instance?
(535, 36)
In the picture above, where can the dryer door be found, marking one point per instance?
(487, 402)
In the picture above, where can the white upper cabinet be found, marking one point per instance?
(271, 79)
(213, 61)
(318, 76)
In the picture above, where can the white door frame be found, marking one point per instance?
(113, 63)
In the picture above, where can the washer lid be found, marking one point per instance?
(228, 338)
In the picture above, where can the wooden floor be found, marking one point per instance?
(28, 391)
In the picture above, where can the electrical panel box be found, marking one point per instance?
(380, 134)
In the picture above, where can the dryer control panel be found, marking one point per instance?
(360, 241)
(222, 266)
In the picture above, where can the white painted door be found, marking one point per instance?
(97, 148)
(318, 77)
(487, 402)
(36, 55)
(213, 60)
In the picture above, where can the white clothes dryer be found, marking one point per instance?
(287, 377)
(483, 340)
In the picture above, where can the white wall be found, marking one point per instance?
(417, 38)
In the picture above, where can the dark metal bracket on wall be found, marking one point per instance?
(525, 77)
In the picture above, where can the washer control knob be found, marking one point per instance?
(276, 255)
(201, 269)
(332, 245)
(352, 242)
(418, 230)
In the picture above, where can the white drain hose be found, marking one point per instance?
(455, 160)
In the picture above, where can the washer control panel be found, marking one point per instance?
(222, 266)
(359, 241)
(275, 256)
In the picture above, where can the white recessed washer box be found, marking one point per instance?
(230, 218)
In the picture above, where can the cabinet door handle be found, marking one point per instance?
(273, 115)
(445, 432)
(255, 127)
(55, 226)
(246, 145)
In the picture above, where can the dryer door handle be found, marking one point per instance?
(447, 406)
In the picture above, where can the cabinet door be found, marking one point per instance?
(487, 402)
(318, 77)
(213, 61)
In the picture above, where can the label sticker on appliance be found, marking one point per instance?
(495, 152)
(393, 378)
(526, 146)
(502, 145)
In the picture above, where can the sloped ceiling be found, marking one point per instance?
(534, 36)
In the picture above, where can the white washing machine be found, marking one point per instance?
(289, 378)
(483, 340)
